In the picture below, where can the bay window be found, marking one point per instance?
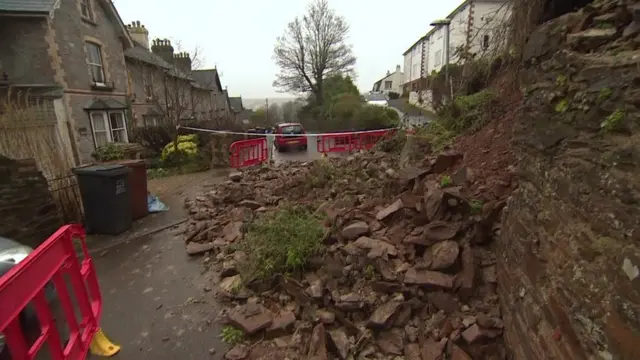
(108, 127)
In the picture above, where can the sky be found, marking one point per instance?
(237, 36)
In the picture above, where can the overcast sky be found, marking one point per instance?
(238, 36)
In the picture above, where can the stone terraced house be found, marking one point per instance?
(93, 72)
(75, 47)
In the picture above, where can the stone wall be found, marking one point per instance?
(569, 249)
(27, 209)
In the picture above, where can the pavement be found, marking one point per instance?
(157, 302)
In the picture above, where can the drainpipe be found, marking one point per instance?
(444, 25)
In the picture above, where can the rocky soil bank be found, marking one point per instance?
(405, 269)
(570, 244)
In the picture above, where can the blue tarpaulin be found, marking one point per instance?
(155, 205)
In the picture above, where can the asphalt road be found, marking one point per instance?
(297, 155)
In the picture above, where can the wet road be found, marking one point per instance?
(157, 303)
(297, 155)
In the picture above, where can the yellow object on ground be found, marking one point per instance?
(102, 346)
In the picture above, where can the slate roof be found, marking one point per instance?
(28, 6)
(236, 104)
(140, 53)
(206, 77)
(105, 104)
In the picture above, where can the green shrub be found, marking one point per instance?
(393, 95)
(613, 121)
(375, 117)
(467, 112)
(187, 151)
(446, 181)
(109, 152)
(231, 335)
(281, 242)
(476, 206)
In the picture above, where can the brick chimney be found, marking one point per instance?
(183, 62)
(163, 48)
(139, 33)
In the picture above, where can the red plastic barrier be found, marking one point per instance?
(248, 152)
(353, 141)
(55, 261)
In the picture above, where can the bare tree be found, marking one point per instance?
(312, 48)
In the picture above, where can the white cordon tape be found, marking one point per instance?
(254, 134)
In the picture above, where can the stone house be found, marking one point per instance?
(77, 47)
(391, 82)
(163, 85)
(210, 79)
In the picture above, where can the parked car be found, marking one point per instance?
(11, 254)
(290, 136)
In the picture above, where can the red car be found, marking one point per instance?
(290, 136)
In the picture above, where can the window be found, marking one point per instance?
(85, 8)
(387, 85)
(94, 58)
(100, 129)
(292, 130)
(108, 126)
(415, 71)
(438, 59)
(118, 127)
(148, 92)
(485, 42)
(150, 120)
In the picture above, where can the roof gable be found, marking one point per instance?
(236, 104)
(207, 78)
(113, 15)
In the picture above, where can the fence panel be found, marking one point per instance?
(352, 141)
(53, 262)
(66, 194)
(248, 152)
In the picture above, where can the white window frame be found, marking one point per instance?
(107, 125)
(438, 58)
(388, 82)
(92, 64)
(85, 5)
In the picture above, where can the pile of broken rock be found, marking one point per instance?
(407, 270)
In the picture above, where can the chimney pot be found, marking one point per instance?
(138, 23)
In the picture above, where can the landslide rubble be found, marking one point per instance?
(405, 272)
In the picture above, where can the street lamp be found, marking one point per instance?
(444, 23)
